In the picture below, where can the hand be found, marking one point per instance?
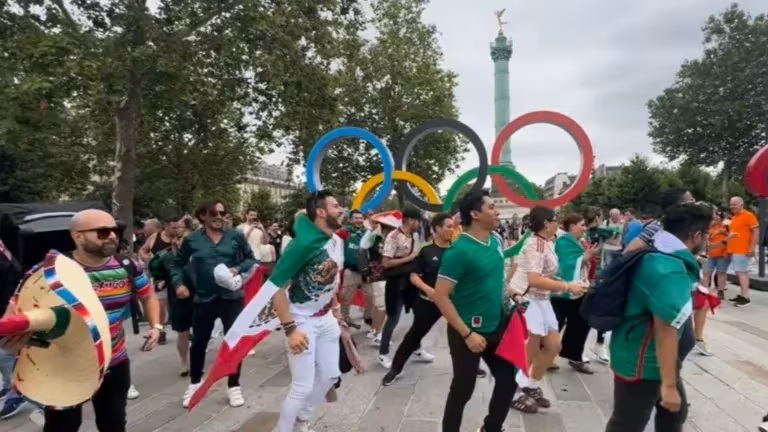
(670, 398)
(14, 344)
(575, 288)
(182, 292)
(590, 252)
(151, 340)
(297, 342)
(234, 271)
(751, 253)
(475, 343)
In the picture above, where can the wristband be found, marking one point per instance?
(288, 324)
(289, 329)
(468, 335)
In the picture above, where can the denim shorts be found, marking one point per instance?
(717, 264)
(740, 263)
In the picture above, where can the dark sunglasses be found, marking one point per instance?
(102, 233)
(217, 213)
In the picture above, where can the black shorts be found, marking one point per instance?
(180, 312)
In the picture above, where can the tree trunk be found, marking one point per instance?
(127, 121)
(726, 177)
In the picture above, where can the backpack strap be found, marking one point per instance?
(127, 265)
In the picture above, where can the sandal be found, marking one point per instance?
(537, 395)
(525, 405)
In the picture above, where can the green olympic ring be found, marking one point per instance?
(505, 171)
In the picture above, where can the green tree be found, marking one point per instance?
(717, 109)
(391, 84)
(261, 200)
(175, 87)
(293, 202)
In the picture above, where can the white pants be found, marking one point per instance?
(313, 372)
(540, 317)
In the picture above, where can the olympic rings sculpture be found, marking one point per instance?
(756, 174)
(396, 168)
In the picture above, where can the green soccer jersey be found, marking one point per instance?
(661, 287)
(477, 269)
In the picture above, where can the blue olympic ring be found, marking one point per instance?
(315, 160)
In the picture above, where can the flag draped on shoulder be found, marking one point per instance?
(258, 318)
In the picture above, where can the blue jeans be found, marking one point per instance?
(7, 360)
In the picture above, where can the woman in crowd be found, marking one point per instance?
(535, 278)
(574, 255)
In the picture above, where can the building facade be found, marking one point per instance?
(557, 184)
(274, 178)
(604, 170)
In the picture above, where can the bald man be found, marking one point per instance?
(746, 230)
(95, 235)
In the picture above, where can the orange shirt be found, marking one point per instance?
(457, 230)
(717, 233)
(741, 225)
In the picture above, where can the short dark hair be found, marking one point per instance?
(354, 212)
(672, 196)
(169, 219)
(439, 219)
(631, 211)
(471, 201)
(539, 216)
(683, 219)
(316, 200)
(591, 213)
(410, 212)
(250, 209)
(571, 219)
(205, 207)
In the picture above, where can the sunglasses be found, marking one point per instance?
(102, 233)
(221, 213)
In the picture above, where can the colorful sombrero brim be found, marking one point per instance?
(70, 369)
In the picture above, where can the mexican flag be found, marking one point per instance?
(570, 254)
(258, 318)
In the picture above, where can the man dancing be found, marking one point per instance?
(470, 293)
(311, 264)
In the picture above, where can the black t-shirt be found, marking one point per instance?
(427, 263)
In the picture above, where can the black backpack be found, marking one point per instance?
(604, 305)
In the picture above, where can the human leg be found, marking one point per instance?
(426, 314)
(110, 401)
(67, 420)
(205, 316)
(741, 268)
(465, 364)
(351, 281)
(303, 370)
(632, 405)
(575, 337)
(229, 310)
(504, 387)
(327, 363)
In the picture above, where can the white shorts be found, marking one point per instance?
(540, 317)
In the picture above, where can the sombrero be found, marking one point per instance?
(391, 218)
(71, 347)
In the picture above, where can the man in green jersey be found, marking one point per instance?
(470, 294)
(648, 348)
(352, 280)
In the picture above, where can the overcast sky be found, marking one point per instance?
(597, 61)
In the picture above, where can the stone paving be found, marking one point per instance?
(728, 391)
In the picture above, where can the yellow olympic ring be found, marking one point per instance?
(424, 187)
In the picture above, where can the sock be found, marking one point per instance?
(532, 383)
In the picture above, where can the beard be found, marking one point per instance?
(104, 250)
(333, 223)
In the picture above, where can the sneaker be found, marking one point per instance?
(763, 427)
(133, 393)
(331, 396)
(163, 339)
(302, 426)
(11, 407)
(701, 347)
(735, 299)
(371, 335)
(376, 341)
(721, 294)
(481, 373)
(742, 302)
(191, 389)
(384, 361)
(424, 356)
(391, 377)
(4, 393)
(581, 367)
(601, 352)
(368, 321)
(251, 353)
(235, 397)
(37, 417)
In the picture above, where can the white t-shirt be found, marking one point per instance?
(254, 236)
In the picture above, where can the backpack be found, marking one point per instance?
(605, 303)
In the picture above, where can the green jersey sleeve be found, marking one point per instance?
(666, 287)
(452, 264)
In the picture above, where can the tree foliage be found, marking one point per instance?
(262, 201)
(717, 109)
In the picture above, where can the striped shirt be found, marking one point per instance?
(110, 281)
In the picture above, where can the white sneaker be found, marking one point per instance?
(251, 353)
(133, 393)
(601, 352)
(191, 389)
(302, 426)
(37, 417)
(376, 341)
(424, 356)
(763, 427)
(235, 397)
(701, 347)
(384, 361)
(371, 335)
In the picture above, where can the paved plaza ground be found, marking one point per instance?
(728, 391)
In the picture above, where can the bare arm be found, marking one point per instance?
(151, 309)
(666, 351)
(441, 297)
(754, 239)
(281, 304)
(145, 252)
(394, 262)
(420, 284)
(635, 245)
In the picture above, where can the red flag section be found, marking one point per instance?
(228, 358)
(512, 345)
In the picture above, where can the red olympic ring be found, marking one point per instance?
(756, 174)
(563, 122)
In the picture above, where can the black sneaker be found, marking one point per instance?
(391, 377)
(721, 294)
(735, 299)
(481, 373)
(742, 302)
(163, 339)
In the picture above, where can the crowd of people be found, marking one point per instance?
(189, 274)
